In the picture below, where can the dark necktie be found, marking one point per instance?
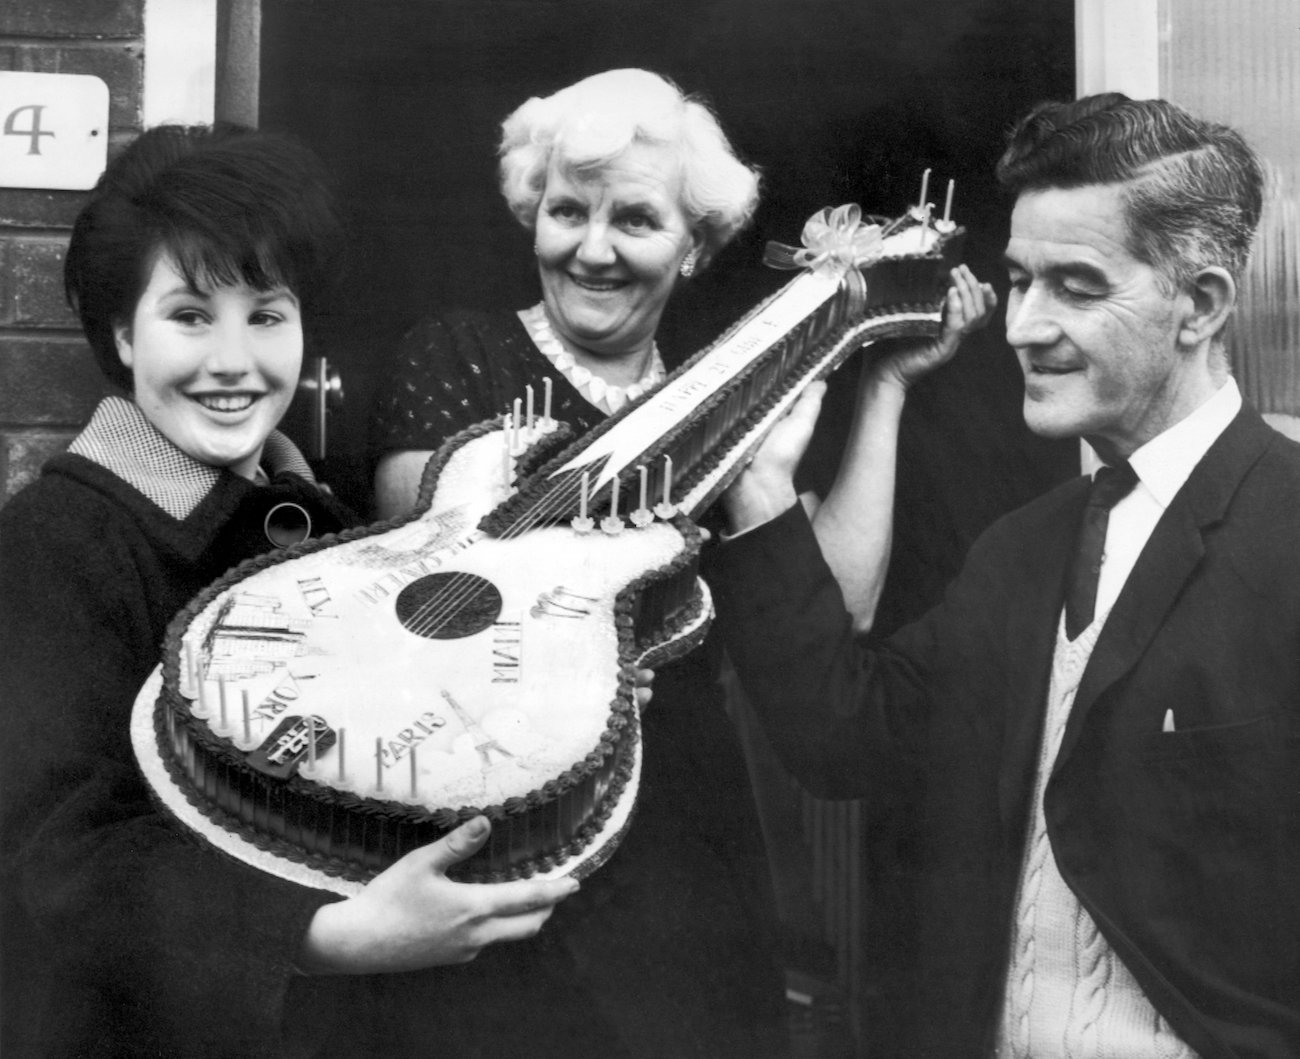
(1109, 487)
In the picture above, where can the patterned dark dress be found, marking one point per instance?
(672, 941)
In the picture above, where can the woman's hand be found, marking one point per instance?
(968, 307)
(412, 916)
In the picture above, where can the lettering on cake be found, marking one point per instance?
(394, 581)
(507, 651)
(316, 594)
(290, 742)
(400, 745)
(284, 695)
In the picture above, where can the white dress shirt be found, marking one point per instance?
(1163, 464)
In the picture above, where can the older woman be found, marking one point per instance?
(194, 266)
(629, 186)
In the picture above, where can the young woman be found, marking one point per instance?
(194, 267)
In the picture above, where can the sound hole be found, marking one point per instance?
(448, 606)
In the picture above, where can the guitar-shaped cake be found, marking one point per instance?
(339, 703)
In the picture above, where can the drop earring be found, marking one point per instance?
(687, 268)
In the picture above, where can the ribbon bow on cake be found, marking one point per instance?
(836, 243)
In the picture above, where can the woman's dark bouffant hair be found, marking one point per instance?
(226, 203)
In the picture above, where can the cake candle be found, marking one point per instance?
(518, 421)
(611, 523)
(415, 782)
(311, 741)
(947, 203)
(925, 189)
(546, 406)
(528, 391)
(221, 691)
(342, 767)
(582, 498)
(505, 435)
(668, 479)
(248, 717)
(643, 516)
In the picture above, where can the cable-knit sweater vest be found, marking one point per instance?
(1068, 996)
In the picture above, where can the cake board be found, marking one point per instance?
(144, 740)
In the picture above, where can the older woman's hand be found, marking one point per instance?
(412, 916)
(967, 309)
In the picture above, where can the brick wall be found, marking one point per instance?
(48, 380)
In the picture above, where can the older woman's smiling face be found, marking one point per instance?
(609, 245)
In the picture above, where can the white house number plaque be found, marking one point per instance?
(53, 130)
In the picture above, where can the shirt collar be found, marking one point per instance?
(120, 438)
(1165, 462)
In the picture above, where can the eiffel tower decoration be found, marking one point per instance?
(483, 743)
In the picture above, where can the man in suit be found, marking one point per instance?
(1099, 784)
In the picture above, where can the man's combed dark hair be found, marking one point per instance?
(227, 203)
(1193, 189)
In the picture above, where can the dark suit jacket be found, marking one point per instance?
(1184, 846)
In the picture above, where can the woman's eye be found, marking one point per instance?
(188, 317)
(266, 318)
(566, 212)
(637, 222)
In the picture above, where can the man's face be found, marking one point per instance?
(1095, 330)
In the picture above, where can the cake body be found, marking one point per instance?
(348, 700)
(384, 707)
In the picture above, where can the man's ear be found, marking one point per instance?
(122, 338)
(1213, 297)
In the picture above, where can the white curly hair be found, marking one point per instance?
(589, 124)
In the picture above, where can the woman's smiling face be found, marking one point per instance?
(609, 245)
(214, 370)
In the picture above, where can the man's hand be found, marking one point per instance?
(765, 488)
(967, 309)
(412, 916)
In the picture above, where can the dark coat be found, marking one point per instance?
(1184, 846)
(120, 935)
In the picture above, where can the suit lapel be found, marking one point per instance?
(1168, 560)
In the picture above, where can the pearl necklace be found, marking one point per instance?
(605, 396)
